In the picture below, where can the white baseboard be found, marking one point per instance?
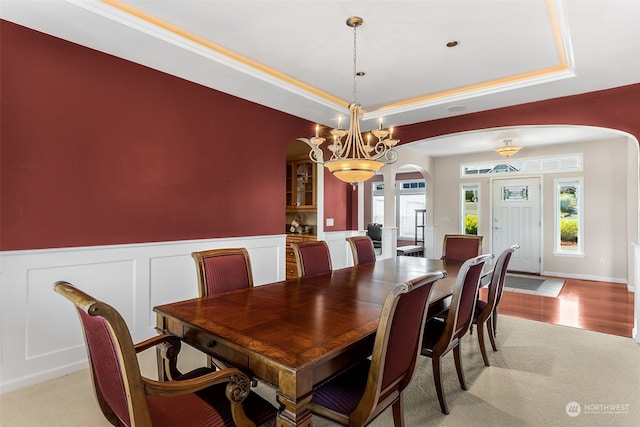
(585, 277)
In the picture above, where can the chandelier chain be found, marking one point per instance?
(355, 69)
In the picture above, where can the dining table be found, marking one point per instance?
(292, 335)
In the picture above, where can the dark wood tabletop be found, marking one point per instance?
(296, 333)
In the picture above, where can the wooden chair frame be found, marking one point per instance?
(453, 329)
(489, 314)
(353, 244)
(138, 387)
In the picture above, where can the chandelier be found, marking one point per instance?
(352, 160)
(507, 149)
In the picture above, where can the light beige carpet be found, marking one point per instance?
(542, 375)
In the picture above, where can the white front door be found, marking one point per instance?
(516, 219)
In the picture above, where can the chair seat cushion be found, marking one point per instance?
(188, 410)
(214, 405)
(343, 393)
(433, 330)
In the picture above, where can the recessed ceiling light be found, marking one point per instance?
(455, 108)
(453, 43)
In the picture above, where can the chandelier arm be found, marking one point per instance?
(391, 156)
(315, 154)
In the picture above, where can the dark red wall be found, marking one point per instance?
(97, 150)
(341, 204)
(617, 108)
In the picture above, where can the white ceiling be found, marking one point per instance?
(297, 56)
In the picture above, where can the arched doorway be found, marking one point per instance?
(613, 204)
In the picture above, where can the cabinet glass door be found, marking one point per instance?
(304, 184)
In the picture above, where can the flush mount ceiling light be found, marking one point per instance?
(507, 149)
(352, 160)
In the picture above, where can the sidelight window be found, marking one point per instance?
(470, 208)
(569, 216)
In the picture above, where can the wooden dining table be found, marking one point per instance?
(294, 334)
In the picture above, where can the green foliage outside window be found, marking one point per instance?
(568, 231)
(569, 219)
(471, 225)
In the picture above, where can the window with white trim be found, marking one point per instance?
(568, 216)
(377, 203)
(470, 195)
(566, 163)
(410, 195)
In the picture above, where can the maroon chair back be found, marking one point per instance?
(461, 247)
(312, 257)
(467, 299)
(362, 249)
(496, 286)
(104, 364)
(404, 336)
(223, 270)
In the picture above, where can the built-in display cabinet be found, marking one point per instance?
(301, 185)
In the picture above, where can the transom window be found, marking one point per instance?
(567, 163)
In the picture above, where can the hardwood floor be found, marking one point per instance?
(595, 306)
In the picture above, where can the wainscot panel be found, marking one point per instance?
(40, 335)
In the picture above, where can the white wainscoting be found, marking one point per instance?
(40, 334)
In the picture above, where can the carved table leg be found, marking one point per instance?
(293, 413)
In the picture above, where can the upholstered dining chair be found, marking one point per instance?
(126, 398)
(219, 271)
(362, 249)
(312, 257)
(461, 247)
(486, 312)
(222, 270)
(358, 395)
(442, 336)
(375, 232)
